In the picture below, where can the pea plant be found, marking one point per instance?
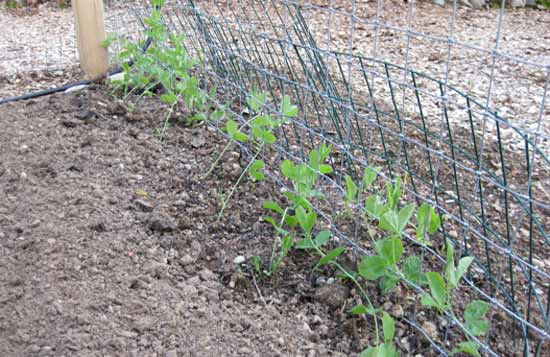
(258, 132)
(295, 225)
(163, 69)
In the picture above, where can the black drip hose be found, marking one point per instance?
(63, 88)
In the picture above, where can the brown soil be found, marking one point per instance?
(108, 245)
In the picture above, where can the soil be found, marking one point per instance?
(109, 246)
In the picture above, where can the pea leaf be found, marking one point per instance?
(273, 206)
(372, 267)
(469, 347)
(256, 101)
(374, 207)
(438, 289)
(288, 169)
(388, 325)
(305, 243)
(287, 108)
(370, 175)
(322, 238)
(404, 216)
(359, 310)
(474, 315)
(331, 256)
(233, 131)
(428, 301)
(388, 282)
(351, 189)
(390, 249)
(306, 220)
(255, 170)
(390, 222)
(462, 267)
(412, 270)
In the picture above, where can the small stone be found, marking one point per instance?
(430, 329)
(171, 353)
(239, 260)
(161, 223)
(332, 294)
(144, 206)
(186, 260)
(71, 123)
(207, 275)
(397, 311)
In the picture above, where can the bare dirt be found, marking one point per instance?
(108, 245)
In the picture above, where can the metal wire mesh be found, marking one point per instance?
(422, 91)
(484, 169)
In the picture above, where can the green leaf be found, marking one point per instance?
(306, 220)
(273, 206)
(256, 101)
(286, 244)
(325, 169)
(462, 267)
(390, 249)
(374, 207)
(469, 347)
(450, 264)
(109, 40)
(288, 169)
(263, 135)
(287, 108)
(322, 238)
(369, 176)
(404, 216)
(435, 221)
(388, 325)
(394, 193)
(331, 256)
(359, 310)
(428, 301)
(388, 282)
(255, 170)
(351, 190)
(168, 98)
(382, 350)
(372, 267)
(423, 220)
(412, 270)
(438, 289)
(305, 243)
(474, 315)
(390, 222)
(232, 129)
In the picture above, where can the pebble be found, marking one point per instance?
(186, 260)
(171, 353)
(239, 260)
(430, 329)
(397, 311)
(161, 223)
(332, 294)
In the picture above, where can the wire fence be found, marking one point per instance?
(454, 101)
(364, 79)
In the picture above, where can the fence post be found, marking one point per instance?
(90, 32)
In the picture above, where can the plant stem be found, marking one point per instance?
(215, 163)
(273, 266)
(224, 202)
(357, 284)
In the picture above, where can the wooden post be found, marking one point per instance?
(90, 32)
